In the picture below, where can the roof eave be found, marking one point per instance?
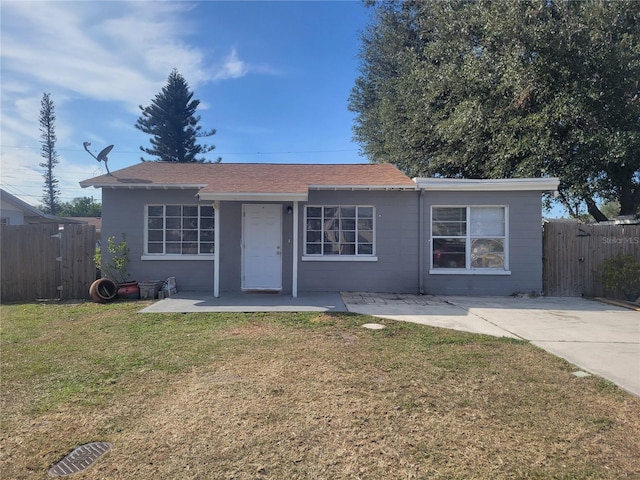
(363, 187)
(254, 196)
(497, 185)
(146, 186)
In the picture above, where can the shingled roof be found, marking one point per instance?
(234, 180)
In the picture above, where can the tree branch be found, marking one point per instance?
(594, 211)
(573, 212)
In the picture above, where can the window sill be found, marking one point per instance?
(339, 258)
(461, 271)
(177, 257)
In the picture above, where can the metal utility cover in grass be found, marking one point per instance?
(373, 326)
(80, 459)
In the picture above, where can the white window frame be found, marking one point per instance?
(357, 257)
(469, 270)
(176, 256)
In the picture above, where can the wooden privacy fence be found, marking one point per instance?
(573, 254)
(43, 262)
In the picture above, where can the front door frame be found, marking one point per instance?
(246, 245)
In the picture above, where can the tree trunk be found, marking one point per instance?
(594, 211)
(627, 204)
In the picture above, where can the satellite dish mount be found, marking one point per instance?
(102, 156)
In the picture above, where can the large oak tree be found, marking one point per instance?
(483, 89)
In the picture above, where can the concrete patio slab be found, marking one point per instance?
(189, 302)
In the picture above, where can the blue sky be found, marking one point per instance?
(273, 79)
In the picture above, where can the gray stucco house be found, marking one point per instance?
(293, 228)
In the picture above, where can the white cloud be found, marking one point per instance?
(18, 131)
(109, 51)
(22, 175)
(99, 60)
(62, 52)
(232, 67)
(122, 55)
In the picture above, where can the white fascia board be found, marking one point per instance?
(363, 187)
(254, 196)
(497, 185)
(145, 186)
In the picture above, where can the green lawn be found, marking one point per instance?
(285, 396)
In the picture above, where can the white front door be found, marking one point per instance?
(262, 247)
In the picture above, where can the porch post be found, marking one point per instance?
(294, 284)
(421, 241)
(216, 251)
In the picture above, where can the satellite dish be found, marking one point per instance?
(102, 156)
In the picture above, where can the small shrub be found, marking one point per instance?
(97, 259)
(622, 273)
(116, 269)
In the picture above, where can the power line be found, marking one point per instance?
(21, 193)
(286, 152)
(16, 191)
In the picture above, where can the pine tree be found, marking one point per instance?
(51, 197)
(171, 122)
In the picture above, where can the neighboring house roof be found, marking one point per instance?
(31, 214)
(229, 181)
(95, 221)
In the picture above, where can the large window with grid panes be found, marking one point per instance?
(179, 230)
(334, 231)
(469, 238)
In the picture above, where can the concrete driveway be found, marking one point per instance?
(597, 337)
